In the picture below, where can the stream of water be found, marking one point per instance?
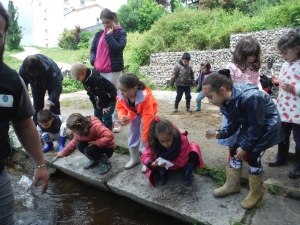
(69, 201)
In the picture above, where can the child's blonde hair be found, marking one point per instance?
(77, 68)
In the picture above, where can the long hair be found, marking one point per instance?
(33, 65)
(6, 17)
(290, 40)
(247, 46)
(130, 80)
(79, 124)
(159, 126)
(219, 79)
(107, 14)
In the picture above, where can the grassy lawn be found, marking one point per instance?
(12, 62)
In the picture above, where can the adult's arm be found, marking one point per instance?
(116, 45)
(55, 83)
(28, 137)
(23, 75)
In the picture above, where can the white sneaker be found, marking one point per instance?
(144, 168)
(117, 128)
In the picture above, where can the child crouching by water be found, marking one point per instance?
(165, 142)
(92, 139)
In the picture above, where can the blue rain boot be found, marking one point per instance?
(105, 165)
(47, 147)
(48, 142)
(188, 175)
(162, 176)
(62, 141)
(198, 107)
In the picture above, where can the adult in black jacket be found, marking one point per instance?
(101, 91)
(43, 74)
(106, 53)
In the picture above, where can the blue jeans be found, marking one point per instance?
(6, 200)
(227, 141)
(199, 98)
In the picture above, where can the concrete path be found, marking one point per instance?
(196, 202)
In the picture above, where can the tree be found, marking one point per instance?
(14, 33)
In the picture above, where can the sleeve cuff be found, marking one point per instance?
(48, 102)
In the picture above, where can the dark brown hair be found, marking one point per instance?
(290, 40)
(206, 65)
(79, 124)
(33, 65)
(107, 14)
(130, 80)
(247, 46)
(159, 126)
(6, 17)
(44, 115)
(219, 79)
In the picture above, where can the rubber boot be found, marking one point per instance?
(62, 141)
(198, 107)
(105, 165)
(134, 158)
(162, 176)
(188, 174)
(232, 184)
(176, 107)
(188, 107)
(295, 173)
(255, 193)
(282, 154)
(48, 146)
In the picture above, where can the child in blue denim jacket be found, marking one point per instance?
(205, 69)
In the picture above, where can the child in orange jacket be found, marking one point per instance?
(137, 107)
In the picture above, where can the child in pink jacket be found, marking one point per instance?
(92, 139)
(165, 142)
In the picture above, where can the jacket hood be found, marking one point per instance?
(239, 88)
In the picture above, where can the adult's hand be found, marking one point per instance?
(41, 174)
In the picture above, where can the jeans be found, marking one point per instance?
(183, 89)
(199, 98)
(6, 200)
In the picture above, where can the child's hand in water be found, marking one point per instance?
(92, 143)
(240, 153)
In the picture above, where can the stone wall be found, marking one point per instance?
(161, 65)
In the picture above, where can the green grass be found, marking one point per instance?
(121, 150)
(12, 62)
(217, 174)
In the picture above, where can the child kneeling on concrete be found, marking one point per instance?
(51, 127)
(168, 149)
(92, 139)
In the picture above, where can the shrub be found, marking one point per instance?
(71, 85)
(67, 40)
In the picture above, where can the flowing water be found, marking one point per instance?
(69, 201)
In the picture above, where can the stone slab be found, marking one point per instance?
(277, 210)
(190, 204)
(74, 163)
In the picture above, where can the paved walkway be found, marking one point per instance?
(196, 202)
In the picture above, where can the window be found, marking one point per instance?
(66, 1)
(66, 10)
(82, 2)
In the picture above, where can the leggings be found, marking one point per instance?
(93, 152)
(254, 160)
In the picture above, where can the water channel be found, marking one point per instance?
(69, 201)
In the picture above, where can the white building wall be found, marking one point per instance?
(48, 19)
(84, 18)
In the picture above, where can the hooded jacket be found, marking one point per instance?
(182, 75)
(100, 90)
(258, 115)
(145, 104)
(98, 132)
